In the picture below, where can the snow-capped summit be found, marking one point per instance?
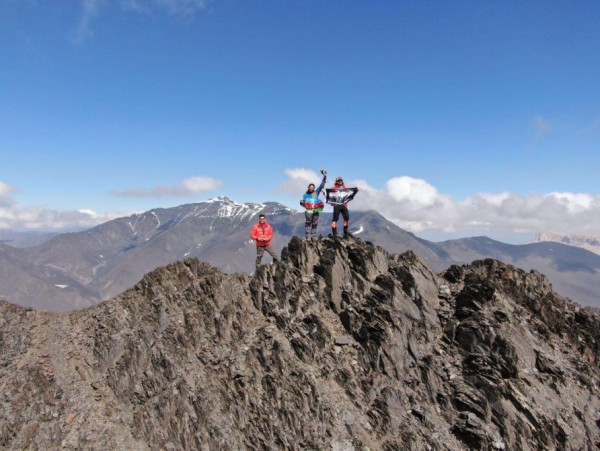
(221, 199)
(230, 208)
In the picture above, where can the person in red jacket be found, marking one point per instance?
(263, 233)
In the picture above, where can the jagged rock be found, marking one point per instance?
(445, 292)
(343, 341)
(339, 346)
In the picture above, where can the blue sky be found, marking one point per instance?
(454, 118)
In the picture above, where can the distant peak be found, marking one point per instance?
(590, 242)
(223, 199)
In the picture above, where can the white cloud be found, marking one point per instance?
(541, 127)
(135, 6)
(574, 203)
(91, 11)
(182, 7)
(5, 192)
(16, 217)
(20, 218)
(198, 185)
(298, 180)
(187, 187)
(410, 190)
(89, 212)
(494, 199)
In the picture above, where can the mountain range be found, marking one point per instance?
(587, 241)
(339, 346)
(24, 239)
(80, 269)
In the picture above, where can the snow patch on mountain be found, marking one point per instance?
(157, 219)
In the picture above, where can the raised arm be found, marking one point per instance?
(322, 185)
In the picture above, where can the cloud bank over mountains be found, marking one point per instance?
(412, 203)
(417, 206)
(16, 217)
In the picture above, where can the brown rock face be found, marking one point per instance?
(340, 346)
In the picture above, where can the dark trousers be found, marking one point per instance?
(337, 210)
(260, 250)
(312, 221)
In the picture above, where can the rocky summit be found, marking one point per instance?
(339, 346)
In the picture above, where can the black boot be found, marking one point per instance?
(346, 233)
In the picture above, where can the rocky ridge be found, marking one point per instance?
(339, 346)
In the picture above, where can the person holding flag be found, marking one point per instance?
(313, 206)
(338, 197)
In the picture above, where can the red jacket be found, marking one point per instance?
(262, 234)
